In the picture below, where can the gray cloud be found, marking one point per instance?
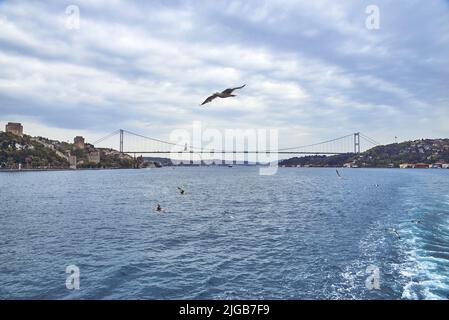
(312, 69)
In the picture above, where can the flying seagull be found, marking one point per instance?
(224, 94)
(338, 173)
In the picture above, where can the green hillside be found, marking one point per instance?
(29, 153)
(428, 151)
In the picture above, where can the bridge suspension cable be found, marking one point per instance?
(372, 141)
(152, 139)
(343, 144)
(106, 137)
(311, 145)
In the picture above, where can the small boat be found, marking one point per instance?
(229, 166)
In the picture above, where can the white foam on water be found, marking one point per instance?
(424, 271)
(430, 296)
(409, 293)
(424, 290)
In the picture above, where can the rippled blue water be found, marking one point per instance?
(299, 234)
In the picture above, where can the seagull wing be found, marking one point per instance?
(209, 99)
(230, 90)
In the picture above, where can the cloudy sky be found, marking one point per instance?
(313, 69)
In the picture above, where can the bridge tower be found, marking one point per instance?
(121, 140)
(357, 142)
(223, 158)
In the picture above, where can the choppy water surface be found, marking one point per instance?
(299, 234)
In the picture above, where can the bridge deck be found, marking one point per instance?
(237, 152)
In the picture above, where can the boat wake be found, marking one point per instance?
(427, 246)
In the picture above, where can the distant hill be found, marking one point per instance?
(31, 154)
(318, 161)
(165, 162)
(426, 151)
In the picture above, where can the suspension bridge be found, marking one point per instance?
(131, 143)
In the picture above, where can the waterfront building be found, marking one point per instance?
(14, 128)
(421, 166)
(437, 165)
(94, 157)
(79, 142)
(72, 162)
(350, 165)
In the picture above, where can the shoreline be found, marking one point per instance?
(101, 169)
(64, 169)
